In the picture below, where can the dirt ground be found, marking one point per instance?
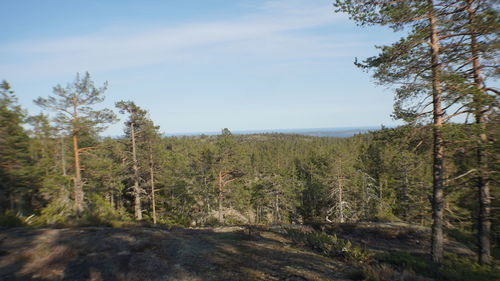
(100, 253)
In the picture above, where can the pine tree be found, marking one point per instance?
(415, 64)
(225, 166)
(133, 125)
(73, 105)
(479, 25)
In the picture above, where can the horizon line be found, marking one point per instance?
(290, 130)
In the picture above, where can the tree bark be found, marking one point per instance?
(137, 191)
(438, 144)
(484, 222)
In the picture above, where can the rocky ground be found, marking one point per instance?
(223, 253)
(101, 253)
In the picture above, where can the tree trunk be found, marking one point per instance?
(438, 144)
(341, 190)
(221, 197)
(63, 156)
(137, 191)
(484, 201)
(484, 222)
(277, 217)
(78, 178)
(207, 196)
(152, 178)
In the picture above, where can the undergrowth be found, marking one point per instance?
(329, 245)
(392, 265)
(10, 219)
(454, 267)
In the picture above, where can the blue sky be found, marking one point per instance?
(201, 65)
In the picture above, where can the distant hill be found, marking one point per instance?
(317, 132)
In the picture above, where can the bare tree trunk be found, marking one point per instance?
(76, 151)
(152, 178)
(341, 190)
(78, 177)
(484, 222)
(137, 191)
(438, 144)
(207, 196)
(63, 156)
(484, 202)
(406, 198)
(221, 197)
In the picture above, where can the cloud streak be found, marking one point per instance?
(275, 31)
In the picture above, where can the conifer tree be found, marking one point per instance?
(479, 24)
(152, 153)
(75, 113)
(15, 164)
(225, 167)
(133, 125)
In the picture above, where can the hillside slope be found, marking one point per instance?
(100, 253)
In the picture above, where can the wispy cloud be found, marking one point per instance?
(276, 30)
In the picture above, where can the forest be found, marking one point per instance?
(439, 171)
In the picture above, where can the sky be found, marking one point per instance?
(201, 65)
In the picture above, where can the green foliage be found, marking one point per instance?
(100, 211)
(72, 105)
